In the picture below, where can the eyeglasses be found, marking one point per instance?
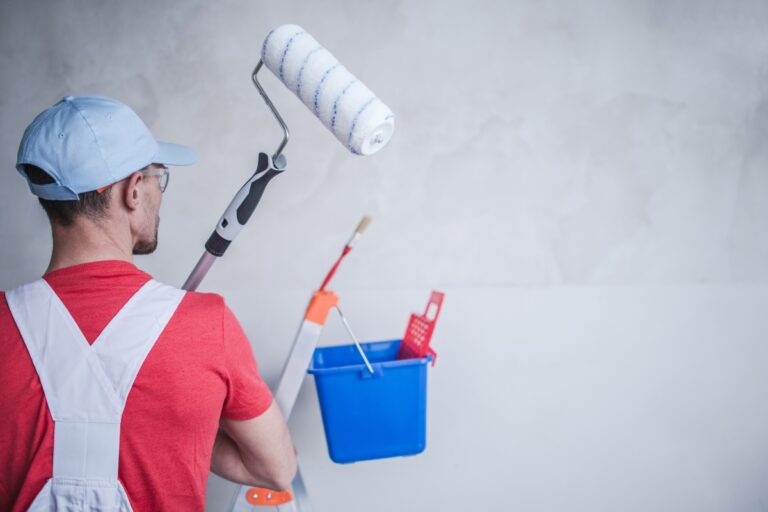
(163, 175)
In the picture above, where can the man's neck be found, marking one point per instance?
(86, 241)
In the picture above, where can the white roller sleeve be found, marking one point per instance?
(360, 120)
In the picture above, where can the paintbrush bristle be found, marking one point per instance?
(363, 225)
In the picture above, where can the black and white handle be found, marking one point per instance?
(235, 216)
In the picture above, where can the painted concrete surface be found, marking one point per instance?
(586, 181)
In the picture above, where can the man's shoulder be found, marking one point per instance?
(204, 299)
(199, 299)
(205, 306)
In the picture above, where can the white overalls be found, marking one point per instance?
(86, 387)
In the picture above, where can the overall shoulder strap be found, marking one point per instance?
(86, 386)
(125, 342)
(74, 382)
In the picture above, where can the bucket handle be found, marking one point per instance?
(354, 338)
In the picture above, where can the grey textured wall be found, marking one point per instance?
(586, 181)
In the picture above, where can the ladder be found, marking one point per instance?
(294, 371)
(291, 379)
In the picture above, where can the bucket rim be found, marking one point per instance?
(395, 363)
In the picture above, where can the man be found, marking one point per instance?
(118, 392)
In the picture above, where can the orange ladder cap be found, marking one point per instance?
(321, 303)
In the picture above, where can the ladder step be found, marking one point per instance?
(266, 497)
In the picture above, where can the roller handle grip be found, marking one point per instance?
(242, 206)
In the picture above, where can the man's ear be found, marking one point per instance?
(130, 195)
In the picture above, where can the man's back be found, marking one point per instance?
(200, 369)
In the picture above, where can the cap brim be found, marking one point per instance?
(174, 154)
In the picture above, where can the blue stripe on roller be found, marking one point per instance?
(285, 52)
(264, 45)
(354, 123)
(301, 70)
(336, 103)
(320, 84)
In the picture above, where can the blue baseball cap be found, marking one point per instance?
(88, 142)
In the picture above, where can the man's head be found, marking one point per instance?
(91, 158)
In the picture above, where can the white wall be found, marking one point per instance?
(586, 181)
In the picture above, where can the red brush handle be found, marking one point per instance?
(335, 267)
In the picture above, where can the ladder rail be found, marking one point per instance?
(287, 391)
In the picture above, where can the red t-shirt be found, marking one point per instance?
(200, 369)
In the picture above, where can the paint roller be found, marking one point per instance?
(345, 106)
(359, 119)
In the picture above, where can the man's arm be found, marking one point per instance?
(257, 452)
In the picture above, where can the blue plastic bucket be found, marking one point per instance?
(371, 416)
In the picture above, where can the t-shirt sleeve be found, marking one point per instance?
(247, 394)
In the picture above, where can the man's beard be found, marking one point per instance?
(147, 246)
